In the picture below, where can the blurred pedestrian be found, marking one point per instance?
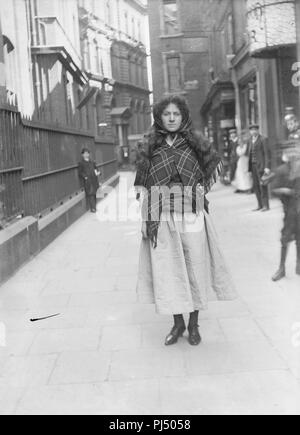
(259, 166)
(243, 178)
(287, 187)
(88, 174)
(180, 260)
(233, 145)
(292, 124)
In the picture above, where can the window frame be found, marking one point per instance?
(163, 21)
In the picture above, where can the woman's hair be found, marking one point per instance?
(158, 133)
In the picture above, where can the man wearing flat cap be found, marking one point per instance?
(259, 165)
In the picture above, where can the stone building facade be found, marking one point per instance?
(80, 64)
(114, 40)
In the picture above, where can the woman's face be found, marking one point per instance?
(172, 118)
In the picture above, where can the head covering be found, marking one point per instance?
(254, 127)
(181, 103)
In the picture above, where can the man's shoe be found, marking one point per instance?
(175, 334)
(257, 209)
(265, 209)
(194, 335)
(279, 275)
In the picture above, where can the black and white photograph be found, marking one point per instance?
(149, 210)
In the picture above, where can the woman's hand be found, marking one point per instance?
(144, 231)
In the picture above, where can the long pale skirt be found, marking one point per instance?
(243, 178)
(186, 269)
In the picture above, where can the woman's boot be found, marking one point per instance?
(194, 335)
(281, 273)
(177, 331)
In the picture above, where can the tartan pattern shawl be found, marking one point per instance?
(157, 173)
(201, 167)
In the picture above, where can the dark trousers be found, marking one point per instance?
(261, 192)
(291, 228)
(91, 202)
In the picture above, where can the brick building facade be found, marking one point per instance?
(231, 72)
(179, 50)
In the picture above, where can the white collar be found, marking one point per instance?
(171, 141)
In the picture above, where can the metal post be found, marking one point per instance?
(2, 68)
(297, 3)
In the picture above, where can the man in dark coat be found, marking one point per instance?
(287, 188)
(259, 165)
(88, 174)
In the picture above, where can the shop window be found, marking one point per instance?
(170, 22)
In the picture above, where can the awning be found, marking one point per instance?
(65, 58)
(220, 93)
(121, 115)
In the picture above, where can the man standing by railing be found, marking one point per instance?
(89, 174)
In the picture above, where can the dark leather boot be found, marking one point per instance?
(281, 273)
(193, 328)
(177, 331)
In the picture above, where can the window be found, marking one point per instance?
(96, 57)
(170, 17)
(101, 115)
(133, 28)
(108, 12)
(174, 74)
(126, 19)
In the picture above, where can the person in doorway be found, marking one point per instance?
(88, 174)
(180, 260)
(243, 180)
(259, 166)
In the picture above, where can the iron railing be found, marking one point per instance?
(38, 165)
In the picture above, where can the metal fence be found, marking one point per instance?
(38, 164)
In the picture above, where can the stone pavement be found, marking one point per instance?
(104, 353)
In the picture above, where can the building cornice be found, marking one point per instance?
(133, 87)
(138, 5)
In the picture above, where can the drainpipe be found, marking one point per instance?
(297, 4)
(2, 69)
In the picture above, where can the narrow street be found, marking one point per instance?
(104, 352)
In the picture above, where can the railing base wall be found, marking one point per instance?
(21, 241)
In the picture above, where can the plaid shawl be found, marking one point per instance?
(154, 173)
